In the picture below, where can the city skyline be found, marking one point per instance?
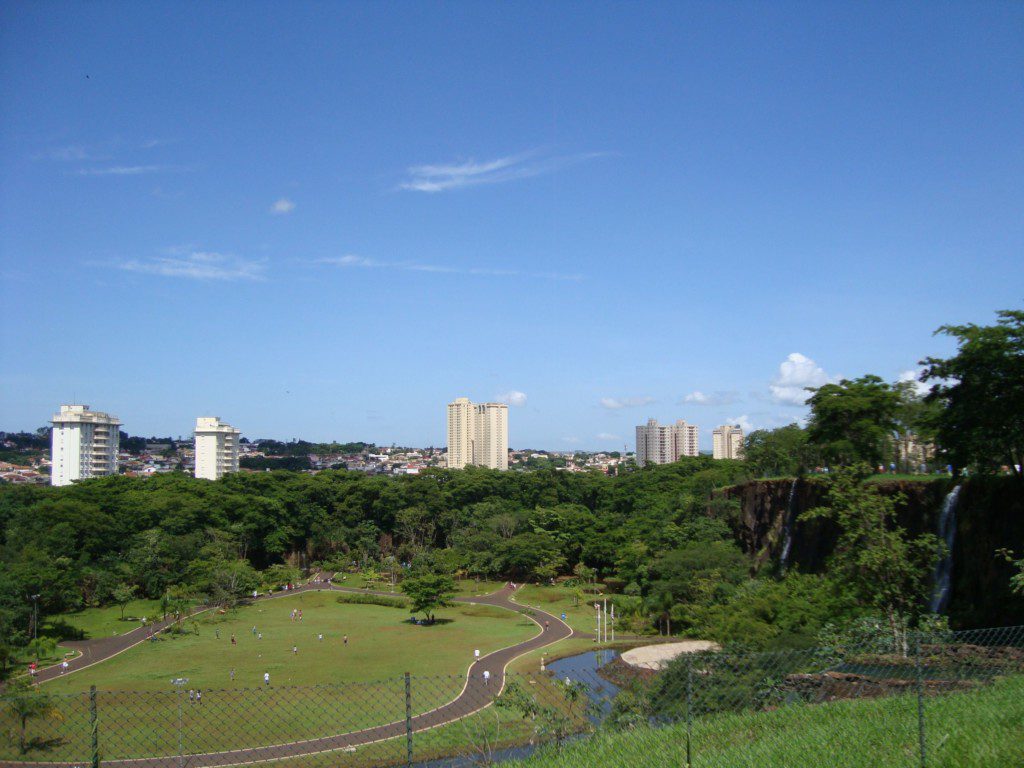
(352, 212)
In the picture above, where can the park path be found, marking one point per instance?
(478, 692)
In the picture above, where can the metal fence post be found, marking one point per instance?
(408, 719)
(94, 729)
(920, 701)
(689, 705)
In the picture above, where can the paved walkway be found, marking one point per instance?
(478, 692)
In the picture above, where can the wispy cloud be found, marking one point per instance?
(743, 422)
(199, 265)
(73, 153)
(512, 397)
(712, 398)
(607, 436)
(282, 207)
(796, 374)
(129, 170)
(617, 403)
(353, 261)
(920, 388)
(468, 173)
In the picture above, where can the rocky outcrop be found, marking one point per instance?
(990, 517)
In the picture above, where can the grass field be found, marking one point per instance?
(382, 644)
(559, 600)
(106, 621)
(979, 729)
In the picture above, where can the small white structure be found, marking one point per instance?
(216, 448)
(84, 444)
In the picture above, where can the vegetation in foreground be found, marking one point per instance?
(977, 729)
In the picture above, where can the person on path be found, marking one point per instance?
(345, 640)
(259, 636)
(487, 677)
(199, 696)
(233, 641)
(254, 629)
(266, 678)
(320, 637)
(547, 625)
(232, 674)
(295, 649)
(191, 696)
(64, 666)
(217, 633)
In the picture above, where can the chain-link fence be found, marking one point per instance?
(875, 698)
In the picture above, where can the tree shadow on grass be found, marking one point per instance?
(39, 744)
(434, 623)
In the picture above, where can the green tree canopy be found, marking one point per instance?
(854, 420)
(982, 389)
(429, 592)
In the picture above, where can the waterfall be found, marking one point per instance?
(944, 568)
(787, 529)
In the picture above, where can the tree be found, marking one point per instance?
(916, 419)
(774, 452)
(982, 389)
(428, 593)
(884, 567)
(122, 595)
(28, 703)
(853, 421)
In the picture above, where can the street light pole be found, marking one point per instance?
(35, 617)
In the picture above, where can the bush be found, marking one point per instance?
(387, 602)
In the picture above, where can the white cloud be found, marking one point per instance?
(743, 422)
(920, 387)
(440, 178)
(198, 265)
(513, 397)
(715, 398)
(127, 170)
(607, 436)
(571, 440)
(351, 260)
(282, 206)
(71, 153)
(615, 403)
(796, 373)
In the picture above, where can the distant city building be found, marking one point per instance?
(216, 448)
(84, 444)
(727, 442)
(914, 454)
(477, 434)
(656, 444)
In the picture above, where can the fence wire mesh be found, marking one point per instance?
(938, 699)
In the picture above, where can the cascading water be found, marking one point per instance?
(787, 529)
(944, 568)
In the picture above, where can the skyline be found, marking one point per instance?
(327, 222)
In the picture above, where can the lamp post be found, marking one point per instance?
(35, 617)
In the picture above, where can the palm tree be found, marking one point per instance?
(26, 703)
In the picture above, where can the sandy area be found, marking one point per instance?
(655, 656)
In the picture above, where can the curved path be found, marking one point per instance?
(477, 693)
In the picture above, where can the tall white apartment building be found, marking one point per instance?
(657, 444)
(84, 444)
(477, 434)
(216, 448)
(727, 442)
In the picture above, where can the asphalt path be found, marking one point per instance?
(478, 692)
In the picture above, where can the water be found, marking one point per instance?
(944, 568)
(787, 529)
(579, 669)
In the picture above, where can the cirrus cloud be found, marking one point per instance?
(282, 207)
(714, 398)
(198, 265)
(617, 403)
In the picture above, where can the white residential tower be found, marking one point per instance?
(84, 444)
(727, 442)
(477, 434)
(657, 444)
(216, 448)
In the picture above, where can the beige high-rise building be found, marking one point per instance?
(727, 442)
(477, 434)
(657, 444)
(84, 444)
(216, 448)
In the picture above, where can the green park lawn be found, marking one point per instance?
(106, 621)
(559, 600)
(382, 644)
(325, 688)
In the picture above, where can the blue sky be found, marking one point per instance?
(326, 220)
